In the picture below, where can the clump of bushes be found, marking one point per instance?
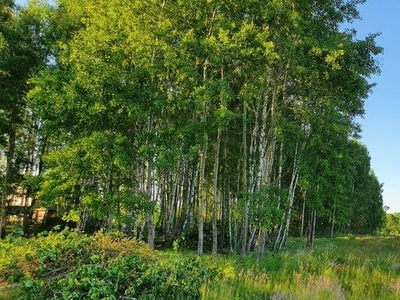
(67, 265)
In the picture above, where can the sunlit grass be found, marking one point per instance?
(8, 292)
(341, 268)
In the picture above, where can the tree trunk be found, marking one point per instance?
(266, 151)
(244, 188)
(303, 216)
(172, 209)
(333, 221)
(6, 188)
(260, 245)
(251, 239)
(151, 230)
(150, 216)
(215, 188)
(3, 215)
(200, 246)
(28, 214)
(83, 220)
(231, 248)
(311, 231)
(149, 187)
(292, 191)
(285, 223)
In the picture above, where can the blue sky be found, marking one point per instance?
(382, 117)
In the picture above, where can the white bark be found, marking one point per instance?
(200, 246)
(215, 187)
(245, 187)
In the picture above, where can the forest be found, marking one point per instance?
(217, 126)
(203, 149)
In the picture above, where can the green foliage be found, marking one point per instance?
(264, 203)
(135, 111)
(392, 224)
(66, 265)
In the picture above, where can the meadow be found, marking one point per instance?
(340, 268)
(65, 265)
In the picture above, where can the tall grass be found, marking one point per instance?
(341, 268)
(69, 264)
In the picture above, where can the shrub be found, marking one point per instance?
(67, 265)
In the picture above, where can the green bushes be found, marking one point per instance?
(169, 278)
(66, 265)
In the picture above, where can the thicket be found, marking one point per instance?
(67, 265)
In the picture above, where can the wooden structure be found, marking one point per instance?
(21, 202)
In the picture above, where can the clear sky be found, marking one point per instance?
(382, 118)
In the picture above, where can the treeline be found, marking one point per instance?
(392, 224)
(231, 124)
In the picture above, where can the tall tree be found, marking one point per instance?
(22, 51)
(203, 108)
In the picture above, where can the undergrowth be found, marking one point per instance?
(67, 265)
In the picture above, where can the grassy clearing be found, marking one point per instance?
(69, 266)
(341, 268)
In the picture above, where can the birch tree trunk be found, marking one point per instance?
(292, 190)
(285, 223)
(200, 246)
(173, 199)
(203, 155)
(244, 188)
(215, 188)
(267, 151)
(215, 184)
(150, 216)
(149, 185)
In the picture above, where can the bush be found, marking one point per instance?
(67, 265)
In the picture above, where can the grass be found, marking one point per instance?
(9, 292)
(340, 268)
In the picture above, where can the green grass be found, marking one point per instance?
(10, 292)
(341, 268)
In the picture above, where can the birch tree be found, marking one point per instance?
(228, 116)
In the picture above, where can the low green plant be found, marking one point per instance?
(67, 265)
